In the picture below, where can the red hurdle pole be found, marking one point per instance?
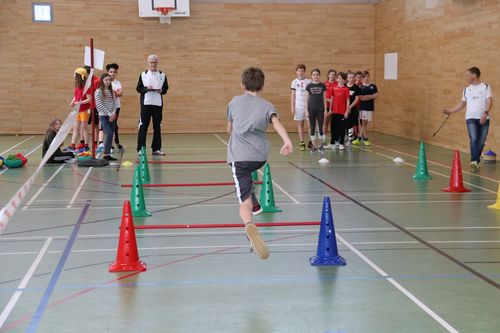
(225, 225)
(187, 184)
(185, 162)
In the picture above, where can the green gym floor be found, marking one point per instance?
(418, 259)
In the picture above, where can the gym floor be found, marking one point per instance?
(418, 259)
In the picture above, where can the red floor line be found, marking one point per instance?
(26, 317)
(186, 162)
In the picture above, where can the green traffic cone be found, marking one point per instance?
(137, 196)
(422, 171)
(255, 176)
(267, 193)
(146, 179)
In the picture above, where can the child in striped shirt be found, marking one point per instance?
(105, 101)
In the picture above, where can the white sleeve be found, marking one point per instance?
(464, 98)
(293, 85)
(488, 91)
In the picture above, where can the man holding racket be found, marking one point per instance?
(478, 99)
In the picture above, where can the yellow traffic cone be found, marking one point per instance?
(496, 205)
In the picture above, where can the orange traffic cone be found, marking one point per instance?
(127, 256)
(456, 181)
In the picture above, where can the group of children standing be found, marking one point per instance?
(104, 101)
(344, 103)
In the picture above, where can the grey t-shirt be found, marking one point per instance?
(250, 116)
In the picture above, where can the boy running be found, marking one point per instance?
(298, 101)
(248, 118)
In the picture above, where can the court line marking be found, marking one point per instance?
(261, 173)
(396, 284)
(79, 188)
(33, 198)
(17, 145)
(319, 194)
(24, 282)
(201, 247)
(431, 171)
(44, 301)
(403, 229)
(281, 204)
(230, 233)
(436, 163)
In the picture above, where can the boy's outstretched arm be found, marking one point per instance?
(287, 143)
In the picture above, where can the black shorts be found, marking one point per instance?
(242, 175)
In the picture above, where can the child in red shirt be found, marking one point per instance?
(82, 117)
(340, 110)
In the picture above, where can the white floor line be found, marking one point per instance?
(412, 297)
(261, 173)
(17, 145)
(33, 150)
(433, 162)
(33, 198)
(337, 203)
(24, 282)
(240, 232)
(431, 171)
(201, 247)
(79, 188)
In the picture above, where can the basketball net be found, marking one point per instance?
(165, 14)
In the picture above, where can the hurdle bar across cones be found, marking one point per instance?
(188, 184)
(226, 225)
(185, 162)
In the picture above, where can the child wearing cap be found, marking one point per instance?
(82, 117)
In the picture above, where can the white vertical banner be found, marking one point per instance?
(391, 66)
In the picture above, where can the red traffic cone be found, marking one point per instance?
(456, 181)
(127, 256)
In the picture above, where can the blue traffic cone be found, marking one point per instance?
(327, 253)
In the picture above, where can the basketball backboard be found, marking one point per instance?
(146, 7)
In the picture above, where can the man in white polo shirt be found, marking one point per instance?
(479, 100)
(152, 85)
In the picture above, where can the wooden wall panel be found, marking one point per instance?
(435, 48)
(203, 55)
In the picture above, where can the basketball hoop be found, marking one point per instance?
(165, 14)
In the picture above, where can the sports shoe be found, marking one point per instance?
(474, 165)
(159, 152)
(321, 149)
(341, 147)
(257, 244)
(80, 146)
(120, 147)
(69, 149)
(366, 142)
(356, 142)
(109, 158)
(71, 161)
(310, 145)
(257, 209)
(99, 148)
(313, 149)
(328, 146)
(302, 146)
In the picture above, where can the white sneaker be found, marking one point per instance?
(258, 245)
(328, 146)
(159, 152)
(337, 145)
(341, 147)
